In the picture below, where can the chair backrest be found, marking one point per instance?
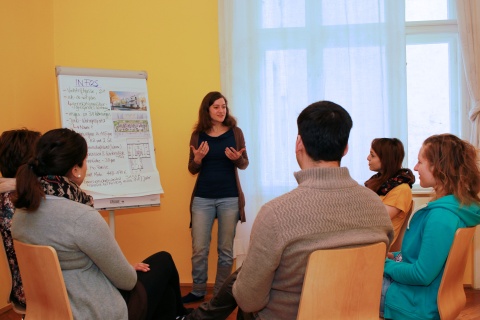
(397, 245)
(20, 309)
(43, 283)
(451, 294)
(343, 283)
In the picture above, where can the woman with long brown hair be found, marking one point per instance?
(391, 182)
(217, 151)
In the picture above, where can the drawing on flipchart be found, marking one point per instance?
(139, 155)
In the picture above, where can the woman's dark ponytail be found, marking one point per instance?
(29, 191)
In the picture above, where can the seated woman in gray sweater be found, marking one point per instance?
(53, 210)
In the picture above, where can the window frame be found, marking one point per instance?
(443, 31)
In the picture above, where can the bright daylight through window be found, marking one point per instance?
(433, 72)
(342, 51)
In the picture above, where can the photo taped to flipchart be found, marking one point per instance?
(130, 125)
(128, 101)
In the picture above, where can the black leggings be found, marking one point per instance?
(157, 292)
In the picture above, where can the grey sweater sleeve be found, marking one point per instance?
(254, 281)
(95, 239)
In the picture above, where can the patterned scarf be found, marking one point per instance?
(62, 187)
(402, 176)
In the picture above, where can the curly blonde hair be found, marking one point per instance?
(454, 166)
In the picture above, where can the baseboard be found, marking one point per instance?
(8, 307)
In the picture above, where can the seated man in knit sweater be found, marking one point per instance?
(328, 209)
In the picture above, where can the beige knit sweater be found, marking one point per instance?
(327, 210)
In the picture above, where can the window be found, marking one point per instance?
(428, 10)
(394, 65)
(433, 72)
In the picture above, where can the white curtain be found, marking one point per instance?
(468, 18)
(278, 56)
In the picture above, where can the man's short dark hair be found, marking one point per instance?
(324, 127)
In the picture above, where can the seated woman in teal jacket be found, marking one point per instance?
(412, 277)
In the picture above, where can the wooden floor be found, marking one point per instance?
(470, 312)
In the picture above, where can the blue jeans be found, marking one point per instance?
(385, 284)
(204, 212)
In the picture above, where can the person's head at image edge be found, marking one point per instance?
(214, 110)
(16, 147)
(59, 152)
(323, 132)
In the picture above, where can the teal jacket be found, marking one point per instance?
(425, 247)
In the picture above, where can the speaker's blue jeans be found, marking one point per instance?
(204, 212)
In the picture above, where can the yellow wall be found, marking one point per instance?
(176, 42)
(27, 81)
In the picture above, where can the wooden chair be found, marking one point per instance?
(43, 283)
(19, 309)
(397, 245)
(451, 294)
(343, 283)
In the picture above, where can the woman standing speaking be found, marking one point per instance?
(217, 150)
